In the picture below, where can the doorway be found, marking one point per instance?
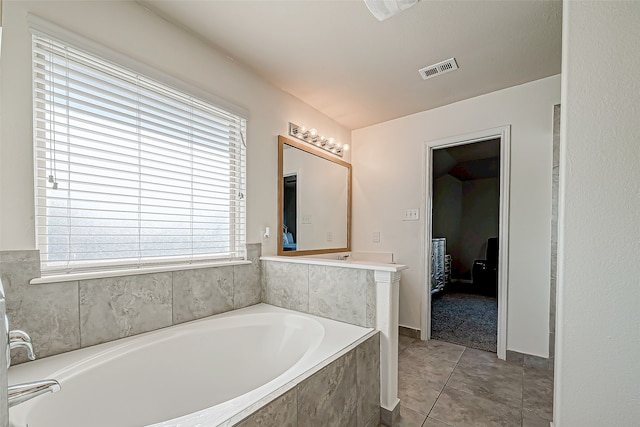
(464, 297)
(290, 212)
(466, 188)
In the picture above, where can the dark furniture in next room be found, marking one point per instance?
(484, 272)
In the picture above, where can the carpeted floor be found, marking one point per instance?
(465, 319)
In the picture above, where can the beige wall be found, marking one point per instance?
(388, 163)
(131, 30)
(597, 371)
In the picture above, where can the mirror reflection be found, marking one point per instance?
(315, 200)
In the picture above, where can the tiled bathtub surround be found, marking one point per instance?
(66, 316)
(360, 292)
(344, 393)
(338, 293)
(286, 285)
(328, 298)
(50, 314)
(202, 293)
(113, 308)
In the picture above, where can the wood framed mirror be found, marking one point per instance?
(314, 200)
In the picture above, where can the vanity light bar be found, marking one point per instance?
(311, 136)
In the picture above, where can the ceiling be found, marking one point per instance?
(478, 160)
(474, 151)
(335, 56)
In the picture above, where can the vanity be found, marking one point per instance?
(317, 273)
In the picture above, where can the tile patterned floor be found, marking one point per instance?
(442, 384)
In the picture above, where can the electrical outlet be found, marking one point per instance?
(376, 237)
(306, 219)
(411, 215)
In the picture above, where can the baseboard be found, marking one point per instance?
(409, 332)
(529, 360)
(390, 418)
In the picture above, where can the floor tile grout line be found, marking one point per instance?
(441, 390)
(445, 384)
(438, 420)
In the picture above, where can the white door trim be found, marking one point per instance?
(504, 133)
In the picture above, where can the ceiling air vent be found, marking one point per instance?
(439, 68)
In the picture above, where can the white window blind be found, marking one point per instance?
(130, 171)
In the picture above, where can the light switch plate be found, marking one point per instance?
(411, 215)
(376, 237)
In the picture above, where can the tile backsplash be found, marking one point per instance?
(66, 316)
(118, 307)
(49, 313)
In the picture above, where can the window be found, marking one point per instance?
(128, 170)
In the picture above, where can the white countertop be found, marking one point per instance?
(359, 264)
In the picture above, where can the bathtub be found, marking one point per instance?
(209, 372)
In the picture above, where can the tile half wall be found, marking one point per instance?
(66, 316)
(338, 293)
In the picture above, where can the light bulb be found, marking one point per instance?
(331, 142)
(345, 147)
(313, 132)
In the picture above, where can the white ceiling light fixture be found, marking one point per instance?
(385, 9)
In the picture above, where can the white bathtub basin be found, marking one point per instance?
(202, 373)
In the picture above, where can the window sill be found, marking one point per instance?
(72, 277)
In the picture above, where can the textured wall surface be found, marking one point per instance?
(597, 375)
(66, 316)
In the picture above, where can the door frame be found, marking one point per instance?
(504, 134)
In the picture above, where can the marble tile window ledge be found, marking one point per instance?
(361, 265)
(72, 277)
